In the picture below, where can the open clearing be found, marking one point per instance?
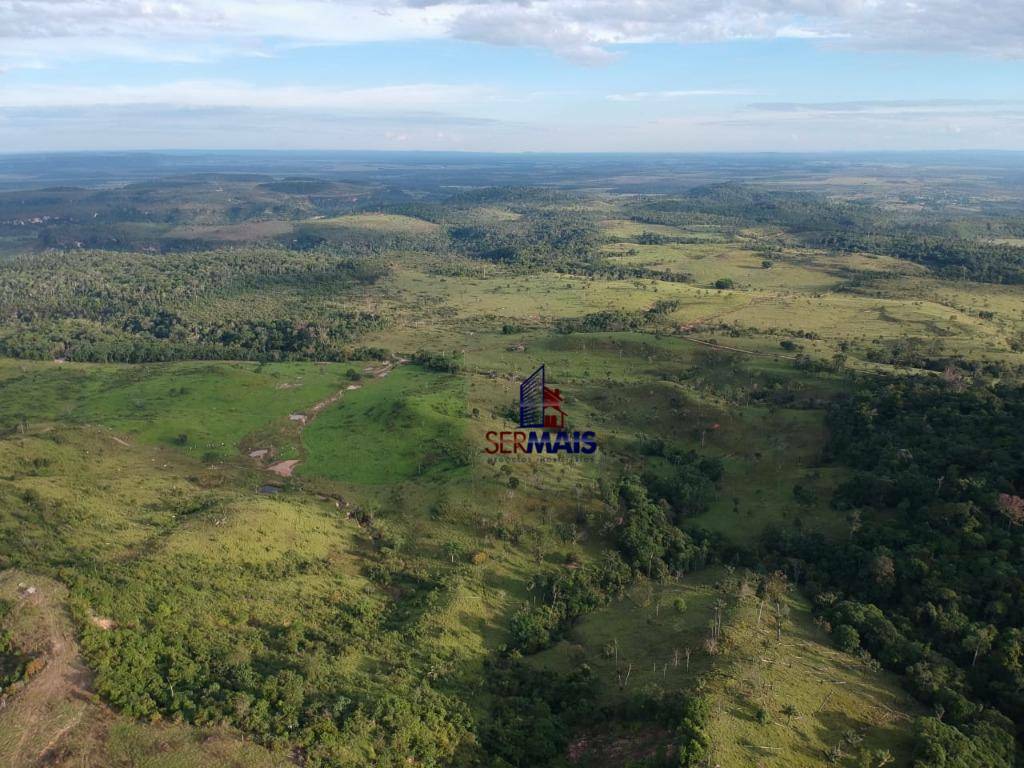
(381, 222)
(390, 430)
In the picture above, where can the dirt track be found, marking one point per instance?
(54, 721)
(287, 467)
(35, 719)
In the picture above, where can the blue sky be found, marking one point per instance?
(529, 75)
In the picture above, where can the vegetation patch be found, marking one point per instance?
(409, 424)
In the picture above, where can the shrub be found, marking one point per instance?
(847, 638)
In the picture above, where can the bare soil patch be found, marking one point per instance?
(283, 468)
(102, 622)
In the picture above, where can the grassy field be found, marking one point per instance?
(840, 706)
(404, 425)
(626, 230)
(655, 634)
(381, 222)
(205, 408)
(242, 233)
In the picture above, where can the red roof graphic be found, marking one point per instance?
(554, 416)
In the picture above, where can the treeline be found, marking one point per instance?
(546, 243)
(102, 307)
(143, 216)
(441, 362)
(355, 239)
(617, 271)
(689, 481)
(265, 341)
(534, 713)
(97, 285)
(930, 580)
(616, 319)
(557, 237)
(739, 204)
(951, 257)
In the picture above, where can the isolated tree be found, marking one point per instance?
(781, 612)
(771, 590)
(980, 640)
(847, 638)
(954, 378)
(883, 568)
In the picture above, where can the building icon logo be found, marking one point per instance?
(541, 412)
(540, 405)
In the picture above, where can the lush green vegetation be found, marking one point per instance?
(244, 486)
(13, 661)
(106, 307)
(928, 581)
(409, 424)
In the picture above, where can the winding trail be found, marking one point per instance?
(287, 467)
(44, 710)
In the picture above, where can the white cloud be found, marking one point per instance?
(588, 28)
(896, 109)
(634, 96)
(357, 120)
(207, 93)
(158, 126)
(869, 125)
(32, 31)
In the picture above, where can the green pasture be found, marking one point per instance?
(406, 424)
(205, 408)
(626, 229)
(646, 635)
(837, 700)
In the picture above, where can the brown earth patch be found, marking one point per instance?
(283, 468)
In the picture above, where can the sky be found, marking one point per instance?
(512, 76)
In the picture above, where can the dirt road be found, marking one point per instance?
(37, 717)
(287, 467)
